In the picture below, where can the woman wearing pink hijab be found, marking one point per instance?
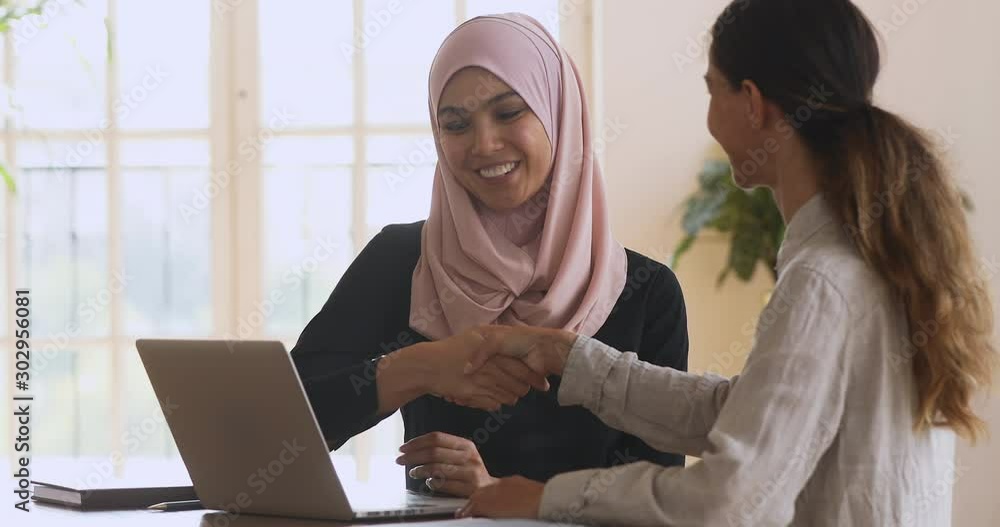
(518, 234)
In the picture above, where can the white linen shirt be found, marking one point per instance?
(816, 430)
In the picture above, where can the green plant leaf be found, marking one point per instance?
(715, 174)
(745, 251)
(701, 211)
(109, 40)
(751, 220)
(733, 211)
(722, 276)
(682, 247)
(8, 179)
(704, 206)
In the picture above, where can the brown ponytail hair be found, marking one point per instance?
(818, 61)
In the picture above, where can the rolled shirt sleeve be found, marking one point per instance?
(669, 409)
(759, 439)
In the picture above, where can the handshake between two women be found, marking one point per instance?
(499, 364)
(483, 368)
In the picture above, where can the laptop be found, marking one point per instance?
(249, 439)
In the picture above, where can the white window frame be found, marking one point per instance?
(237, 282)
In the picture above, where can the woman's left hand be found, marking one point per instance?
(450, 464)
(513, 497)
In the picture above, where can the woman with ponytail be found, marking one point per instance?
(873, 345)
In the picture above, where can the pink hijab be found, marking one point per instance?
(553, 261)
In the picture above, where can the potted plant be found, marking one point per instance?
(750, 219)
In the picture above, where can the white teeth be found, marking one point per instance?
(498, 170)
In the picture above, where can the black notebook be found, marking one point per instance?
(135, 490)
(110, 498)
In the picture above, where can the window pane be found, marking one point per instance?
(305, 68)
(402, 39)
(60, 69)
(163, 50)
(545, 11)
(400, 175)
(6, 369)
(166, 233)
(377, 448)
(307, 220)
(5, 246)
(146, 433)
(62, 225)
(72, 393)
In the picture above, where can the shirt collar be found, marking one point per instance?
(810, 218)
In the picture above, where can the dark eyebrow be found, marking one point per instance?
(493, 100)
(500, 97)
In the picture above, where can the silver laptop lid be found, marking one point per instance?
(244, 427)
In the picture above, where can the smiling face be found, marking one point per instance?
(493, 143)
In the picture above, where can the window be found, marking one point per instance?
(167, 185)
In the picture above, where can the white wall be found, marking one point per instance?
(941, 70)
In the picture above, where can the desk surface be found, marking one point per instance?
(43, 514)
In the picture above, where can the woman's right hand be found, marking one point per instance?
(501, 380)
(543, 350)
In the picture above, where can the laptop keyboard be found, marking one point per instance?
(413, 503)
(415, 499)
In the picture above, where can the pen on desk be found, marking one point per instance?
(176, 506)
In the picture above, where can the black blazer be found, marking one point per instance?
(367, 315)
